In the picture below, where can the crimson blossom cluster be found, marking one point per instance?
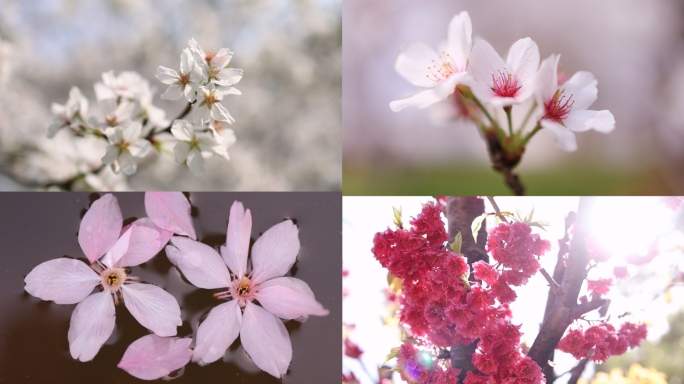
(442, 308)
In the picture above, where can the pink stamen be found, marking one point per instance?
(558, 107)
(505, 85)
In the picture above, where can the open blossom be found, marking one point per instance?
(152, 357)
(125, 144)
(110, 249)
(209, 106)
(262, 333)
(214, 65)
(420, 65)
(196, 142)
(563, 107)
(68, 114)
(183, 83)
(503, 83)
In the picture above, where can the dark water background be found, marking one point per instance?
(37, 227)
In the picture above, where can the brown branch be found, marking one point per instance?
(587, 307)
(496, 209)
(560, 315)
(460, 213)
(576, 372)
(187, 110)
(552, 283)
(504, 162)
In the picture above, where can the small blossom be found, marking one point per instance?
(209, 106)
(600, 286)
(563, 108)
(125, 144)
(420, 65)
(195, 143)
(262, 333)
(184, 83)
(67, 115)
(214, 65)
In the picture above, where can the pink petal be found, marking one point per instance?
(546, 79)
(152, 357)
(92, 322)
(237, 239)
(523, 57)
(459, 38)
(485, 62)
(64, 281)
(146, 241)
(265, 339)
(153, 307)
(564, 137)
(275, 251)
(199, 263)
(112, 256)
(100, 227)
(413, 62)
(580, 121)
(217, 332)
(289, 298)
(582, 86)
(170, 211)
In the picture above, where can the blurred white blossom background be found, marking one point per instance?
(634, 48)
(288, 118)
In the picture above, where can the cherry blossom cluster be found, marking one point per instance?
(132, 126)
(474, 82)
(444, 309)
(111, 249)
(601, 341)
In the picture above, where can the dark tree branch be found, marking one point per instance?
(505, 162)
(576, 372)
(552, 283)
(589, 306)
(560, 315)
(460, 213)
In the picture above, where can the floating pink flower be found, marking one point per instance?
(69, 281)
(262, 333)
(152, 357)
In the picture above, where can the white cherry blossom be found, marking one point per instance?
(563, 107)
(183, 83)
(69, 114)
(420, 65)
(214, 65)
(125, 145)
(196, 142)
(209, 106)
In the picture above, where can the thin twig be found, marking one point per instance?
(497, 211)
(552, 283)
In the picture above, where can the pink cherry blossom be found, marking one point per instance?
(262, 333)
(563, 107)
(69, 281)
(170, 211)
(420, 65)
(503, 83)
(152, 357)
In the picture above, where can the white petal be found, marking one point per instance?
(564, 137)
(582, 87)
(523, 58)
(181, 151)
(580, 121)
(173, 92)
(229, 76)
(111, 155)
(170, 211)
(217, 332)
(153, 307)
(286, 298)
(198, 262)
(265, 339)
(187, 61)
(220, 113)
(459, 38)
(182, 130)
(196, 162)
(139, 148)
(413, 62)
(485, 62)
(152, 357)
(64, 281)
(100, 227)
(127, 163)
(201, 114)
(92, 322)
(275, 251)
(166, 75)
(237, 239)
(546, 81)
(430, 96)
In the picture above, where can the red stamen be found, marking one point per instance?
(505, 85)
(558, 107)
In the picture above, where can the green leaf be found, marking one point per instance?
(394, 352)
(458, 242)
(397, 216)
(477, 224)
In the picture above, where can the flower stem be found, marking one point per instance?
(527, 117)
(510, 121)
(529, 135)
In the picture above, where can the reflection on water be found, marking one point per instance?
(37, 227)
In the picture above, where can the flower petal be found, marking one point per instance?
(275, 251)
(217, 332)
(196, 162)
(265, 339)
(92, 322)
(459, 38)
(582, 87)
(146, 240)
(170, 211)
(118, 250)
(152, 357)
(220, 113)
(564, 137)
(580, 121)
(181, 151)
(420, 100)
(64, 281)
(173, 92)
(546, 80)
(413, 62)
(199, 263)
(127, 163)
(153, 307)
(523, 58)
(485, 63)
(100, 227)
(166, 75)
(289, 298)
(237, 239)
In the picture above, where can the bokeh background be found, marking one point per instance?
(287, 119)
(634, 48)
